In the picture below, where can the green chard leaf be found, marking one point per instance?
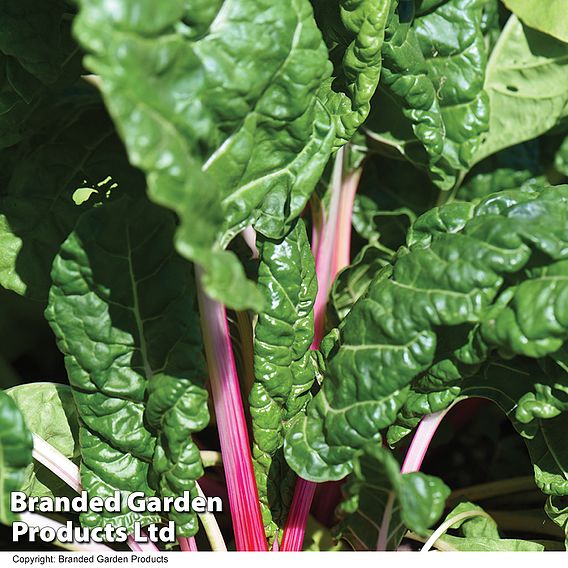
(431, 106)
(536, 402)
(354, 33)
(548, 16)
(15, 454)
(353, 282)
(37, 211)
(382, 503)
(527, 82)
(478, 532)
(37, 56)
(405, 112)
(463, 288)
(453, 45)
(517, 166)
(122, 306)
(231, 110)
(283, 367)
(57, 424)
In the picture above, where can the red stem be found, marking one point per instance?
(295, 528)
(232, 427)
(332, 249)
(188, 544)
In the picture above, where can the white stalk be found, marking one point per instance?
(39, 521)
(65, 469)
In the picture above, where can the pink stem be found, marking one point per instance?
(232, 427)
(187, 544)
(295, 528)
(421, 441)
(342, 248)
(325, 251)
(332, 254)
(412, 463)
(141, 546)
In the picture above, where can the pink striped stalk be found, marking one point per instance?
(324, 254)
(136, 546)
(342, 242)
(421, 441)
(232, 427)
(187, 544)
(295, 527)
(412, 463)
(332, 251)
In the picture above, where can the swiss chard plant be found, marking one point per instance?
(307, 256)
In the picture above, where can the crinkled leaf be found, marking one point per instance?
(283, 367)
(527, 82)
(406, 113)
(463, 289)
(548, 16)
(37, 211)
(37, 55)
(432, 107)
(352, 282)
(56, 423)
(15, 454)
(232, 110)
(379, 499)
(536, 401)
(122, 307)
(452, 43)
(353, 31)
(222, 107)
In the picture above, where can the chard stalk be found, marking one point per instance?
(331, 239)
(448, 523)
(232, 427)
(187, 544)
(39, 521)
(67, 471)
(421, 441)
(332, 251)
(412, 462)
(383, 537)
(324, 254)
(295, 527)
(249, 236)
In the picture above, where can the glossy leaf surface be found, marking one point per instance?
(15, 454)
(122, 308)
(465, 282)
(284, 372)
